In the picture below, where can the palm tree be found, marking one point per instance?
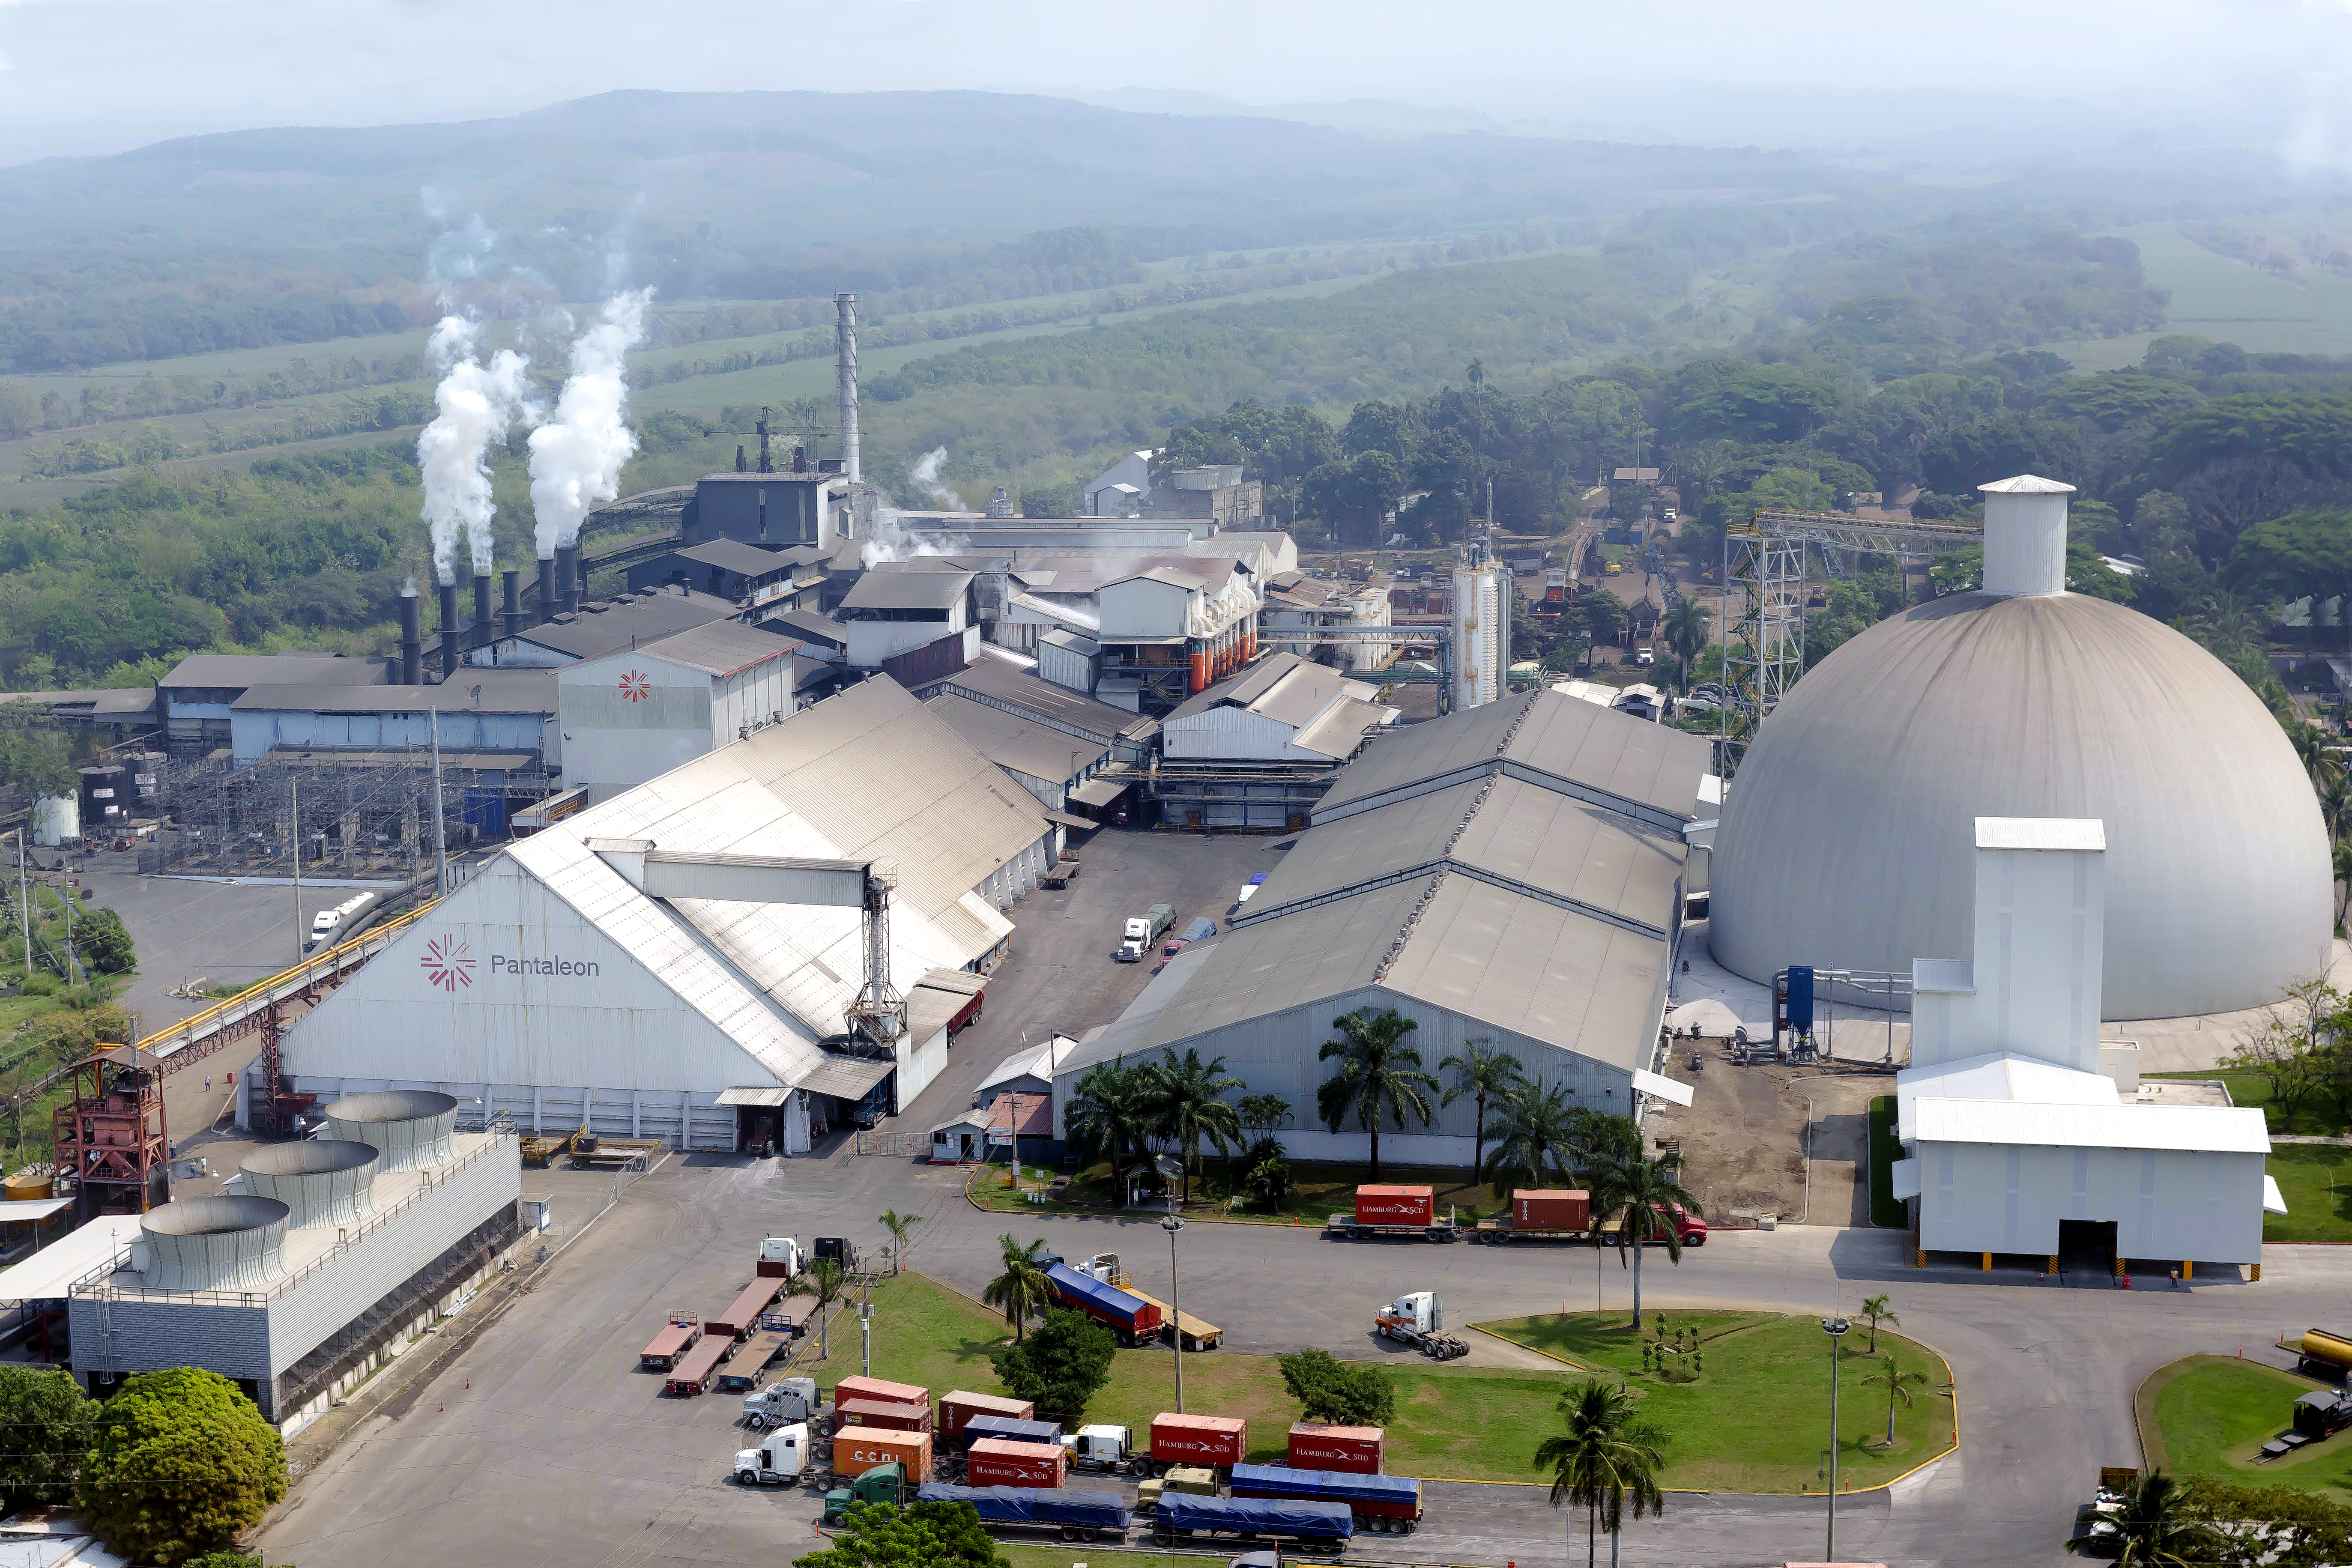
(1379, 1076)
(1604, 1455)
(1647, 1193)
(1597, 1136)
(1898, 1385)
(1021, 1289)
(1483, 1071)
(2335, 803)
(2155, 1527)
(1685, 625)
(1534, 1134)
(897, 1225)
(1874, 1312)
(2342, 876)
(826, 1282)
(1110, 1119)
(1266, 1110)
(1188, 1110)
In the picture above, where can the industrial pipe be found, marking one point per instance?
(511, 584)
(481, 604)
(412, 639)
(548, 592)
(449, 630)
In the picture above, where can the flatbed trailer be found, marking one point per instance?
(677, 1337)
(738, 1320)
(749, 1367)
(590, 1150)
(1198, 1335)
(694, 1371)
(540, 1151)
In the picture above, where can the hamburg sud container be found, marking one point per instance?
(994, 1462)
(1354, 1449)
(880, 1391)
(891, 1417)
(959, 1406)
(1395, 1205)
(1556, 1209)
(858, 1450)
(1219, 1440)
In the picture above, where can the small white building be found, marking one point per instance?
(634, 715)
(1120, 489)
(902, 606)
(2026, 1134)
(1286, 709)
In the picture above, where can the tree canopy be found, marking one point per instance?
(184, 1463)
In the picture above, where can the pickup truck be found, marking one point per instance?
(1142, 930)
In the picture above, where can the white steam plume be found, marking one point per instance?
(476, 403)
(926, 475)
(577, 456)
(891, 540)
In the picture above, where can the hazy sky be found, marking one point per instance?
(97, 75)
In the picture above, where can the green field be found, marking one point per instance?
(2316, 1115)
(1886, 1210)
(2227, 301)
(1462, 1421)
(2316, 1180)
(2209, 1416)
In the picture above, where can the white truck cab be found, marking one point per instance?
(781, 1257)
(781, 1403)
(779, 1460)
(1103, 1449)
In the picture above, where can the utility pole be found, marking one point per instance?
(1835, 1328)
(24, 903)
(294, 803)
(1171, 1224)
(440, 832)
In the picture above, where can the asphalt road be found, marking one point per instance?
(541, 1444)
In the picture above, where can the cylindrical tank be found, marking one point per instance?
(57, 819)
(550, 592)
(2335, 1348)
(510, 597)
(410, 1127)
(319, 1181)
(481, 601)
(214, 1244)
(568, 578)
(26, 1186)
(448, 597)
(412, 642)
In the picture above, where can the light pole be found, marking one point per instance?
(1835, 1328)
(1171, 1224)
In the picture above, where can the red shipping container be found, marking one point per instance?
(1198, 1440)
(1354, 1449)
(1534, 1208)
(994, 1462)
(880, 1391)
(957, 1408)
(1395, 1205)
(874, 1413)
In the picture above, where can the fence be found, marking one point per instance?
(895, 1145)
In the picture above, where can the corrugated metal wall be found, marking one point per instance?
(2166, 1203)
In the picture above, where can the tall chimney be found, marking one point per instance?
(511, 584)
(548, 591)
(449, 630)
(412, 639)
(482, 605)
(2025, 535)
(846, 335)
(567, 572)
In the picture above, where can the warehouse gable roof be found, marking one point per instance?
(904, 585)
(1021, 744)
(719, 648)
(599, 629)
(1000, 685)
(2192, 1129)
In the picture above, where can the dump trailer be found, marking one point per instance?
(994, 1462)
(1198, 1335)
(678, 1337)
(1398, 1213)
(1541, 1215)
(1385, 1505)
(1004, 1428)
(959, 1406)
(1221, 1441)
(1074, 1516)
(698, 1368)
(1125, 1313)
(546, 1151)
(740, 1319)
(1325, 1526)
(1316, 1445)
(884, 1482)
(749, 1367)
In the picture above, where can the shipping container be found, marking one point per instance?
(738, 1319)
(1218, 1440)
(693, 1372)
(876, 1413)
(858, 1450)
(1074, 1516)
(959, 1406)
(1126, 1314)
(994, 1462)
(1391, 1211)
(678, 1336)
(880, 1391)
(1009, 1430)
(1386, 1505)
(1534, 1208)
(1181, 1516)
(1358, 1451)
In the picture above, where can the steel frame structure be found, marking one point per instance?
(1439, 637)
(1769, 557)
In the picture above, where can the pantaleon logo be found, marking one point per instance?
(447, 963)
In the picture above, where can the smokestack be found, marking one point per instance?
(567, 572)
(449, 630)
(482, 605)
(412, 640)
(847, 337)
(548, 592)
(739, 457)
(510, 582)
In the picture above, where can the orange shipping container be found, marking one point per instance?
(1535, 1208)
(879, 1391)
(858, 1449)
(958, 1407)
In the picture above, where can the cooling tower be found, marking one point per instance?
(214, 1244)
(410, 1127)
(319, 1181)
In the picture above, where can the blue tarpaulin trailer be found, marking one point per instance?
(1005, 1428)
(1132, 1318)
(1383, 1504)
(1077, 1516)
(1183, 1515)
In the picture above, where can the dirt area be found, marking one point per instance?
(1743, 1138)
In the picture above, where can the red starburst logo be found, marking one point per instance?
(634, 685)
(448, 963)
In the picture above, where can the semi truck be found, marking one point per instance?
(1324, 1526)
(1385, 1505)
(1142, 930)
(1689, 1229)
(1133, 1319)
(677, 1337)
(781, 1403)
(1074, 1516)
(693, 1373)
(781, 1257)
(1106, 1448)
(741, 1316)
(994, 1462)
(1419, 1319)
(1391, 1212)
(1358, 1451)
(331, 926)
(878, 1483)
(779, 1461)
(1540, 1214)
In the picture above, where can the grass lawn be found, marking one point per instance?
(1753, 1418)
(2210, 1414)
(1885, 1209)
(2315, 1115)
(1111, 1556)
(1456, 1421)
(2315, 1179)
(1319, 1192)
